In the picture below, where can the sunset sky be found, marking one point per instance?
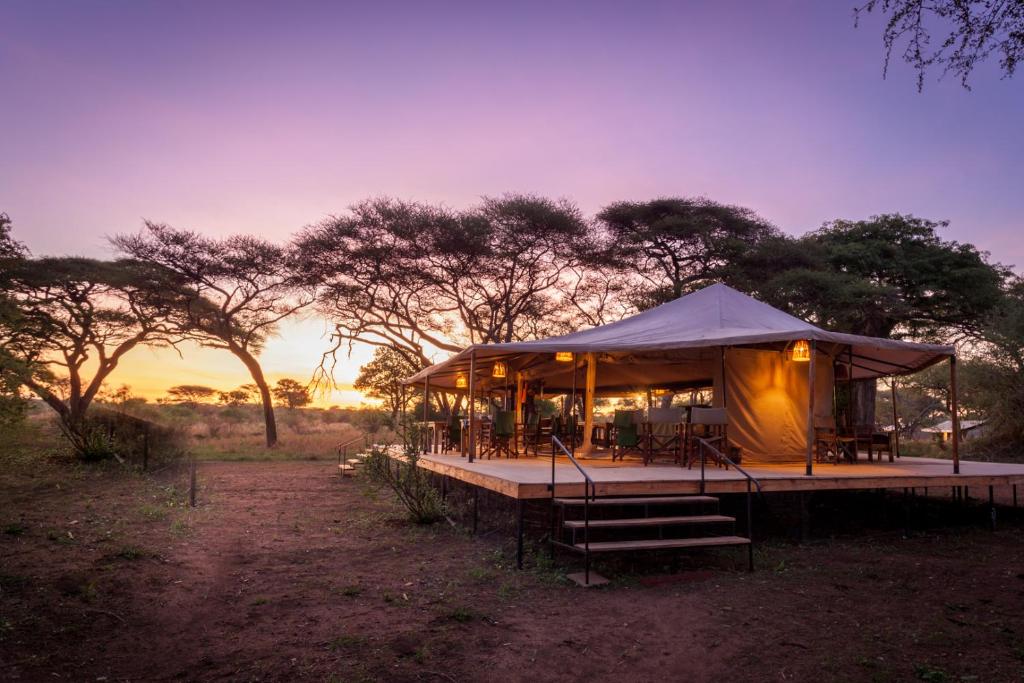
(249, 117)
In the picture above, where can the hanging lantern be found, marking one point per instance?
(564, 356)
(461, 382)
(801, 352)
(500, 370)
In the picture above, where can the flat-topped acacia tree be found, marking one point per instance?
(230, 293)
(414, 277)
(68, 322)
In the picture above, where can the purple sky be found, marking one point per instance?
(228, 117)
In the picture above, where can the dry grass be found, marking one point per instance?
(247, 442)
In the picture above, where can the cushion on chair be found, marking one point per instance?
(625, 437)
(624, 419)
(505, 423)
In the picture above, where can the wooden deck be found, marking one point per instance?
(529, 477)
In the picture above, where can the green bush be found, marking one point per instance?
(409, 482)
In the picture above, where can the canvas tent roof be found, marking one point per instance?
(716, 316)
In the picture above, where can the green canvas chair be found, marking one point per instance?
(625, 435)
(503, 434)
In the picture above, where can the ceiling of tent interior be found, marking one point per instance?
(677, 346)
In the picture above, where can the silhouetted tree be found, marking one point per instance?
(672, 246)
(291, 393)
(889, 276)
(234, 398)
(382, 377)
(418, 278)
(954, 35)
(231, 293)
(190, 394)
(68, 317)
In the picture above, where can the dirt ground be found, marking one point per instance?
(286, 572)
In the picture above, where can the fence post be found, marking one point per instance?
(145, 448)
(192, 482)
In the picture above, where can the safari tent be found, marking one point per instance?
(759, 362)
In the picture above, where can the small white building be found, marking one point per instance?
(969, 429)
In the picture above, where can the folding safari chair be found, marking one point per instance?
(710, 426)
(625, 436)
(503, 434)
(663, 434)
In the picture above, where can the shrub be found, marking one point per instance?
(107, 434)
(410, 483)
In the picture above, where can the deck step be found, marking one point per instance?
(650, 500)
(648, 521)
(662, 544)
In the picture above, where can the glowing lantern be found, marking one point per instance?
(460, 382)
(564, 356)
(801, 352)
(500, 370)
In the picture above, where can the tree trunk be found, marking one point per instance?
(256, 372)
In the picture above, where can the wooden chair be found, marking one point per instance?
(625, 436)
(663, 434)
(711, 425)
(536, 432)
(452, 436)
(829, 445)
(485, 430)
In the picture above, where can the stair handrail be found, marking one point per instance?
(342, 449)
(589, 493)
(751, 480)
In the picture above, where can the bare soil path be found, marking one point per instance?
(285, 572)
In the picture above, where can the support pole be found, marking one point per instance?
(954, 414)
(810, 408)
(895, 423)
(519, 534)
(588, 403)
(192, 482)
(472, 405)
(573, 414)
(476, 506)
(426, 414)
(991, 508)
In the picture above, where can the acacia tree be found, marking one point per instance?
(190, 394)
(672, 246)
(418, 279)
(967, 32)
(229, 293)
(73, 316)
(12, 255)
(291, 393)
(382, 377)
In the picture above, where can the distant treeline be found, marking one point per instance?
(421, 280)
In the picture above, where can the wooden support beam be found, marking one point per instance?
(424, 435)
(472, 405)
(810, 408)
(954, 414)
(895, 423)
(588, 403)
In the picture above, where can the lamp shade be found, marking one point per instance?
(500, 370)
(564, 356)
(801, 351)
(461, 382)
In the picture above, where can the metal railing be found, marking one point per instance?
(342, 449)
(705, 445)
(589, 493)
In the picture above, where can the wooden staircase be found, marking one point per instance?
(644, 523)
